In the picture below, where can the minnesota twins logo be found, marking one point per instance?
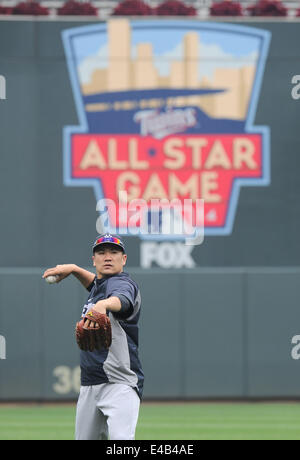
(166, 112)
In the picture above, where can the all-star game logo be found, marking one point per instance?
(166, 111)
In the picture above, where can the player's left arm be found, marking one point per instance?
(111, 304)
(119, 305)
(120, 299)
(117, 302)
(102, 306)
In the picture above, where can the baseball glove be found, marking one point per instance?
(93, 332)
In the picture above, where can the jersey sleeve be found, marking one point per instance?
(126, 308)
(123, 288)
(90, 287)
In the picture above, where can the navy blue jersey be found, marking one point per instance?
(119, 364)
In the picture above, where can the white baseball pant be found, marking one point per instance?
(107, 411)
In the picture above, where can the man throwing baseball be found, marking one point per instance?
(111, 374)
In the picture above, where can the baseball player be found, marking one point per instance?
(111, 374)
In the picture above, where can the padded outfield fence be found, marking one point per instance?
(211, 333)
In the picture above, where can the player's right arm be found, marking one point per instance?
(63, 271)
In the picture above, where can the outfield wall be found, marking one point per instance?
(212, 333)
(224, 323)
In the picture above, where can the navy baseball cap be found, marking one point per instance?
(108, 238)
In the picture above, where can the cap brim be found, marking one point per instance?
(108, 242)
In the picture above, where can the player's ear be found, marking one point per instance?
(93, 259)
(124, 259)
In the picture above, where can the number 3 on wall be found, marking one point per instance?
(68, 379)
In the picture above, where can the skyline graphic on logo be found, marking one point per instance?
(166, 111)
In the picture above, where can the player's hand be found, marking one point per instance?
(100, 307)
(61, 271)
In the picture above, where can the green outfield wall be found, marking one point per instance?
(219, 319)
(212, 333)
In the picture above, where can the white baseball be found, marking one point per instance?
(51, 279)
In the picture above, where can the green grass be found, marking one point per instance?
(190, 421)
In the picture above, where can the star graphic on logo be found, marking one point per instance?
(152, 152)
